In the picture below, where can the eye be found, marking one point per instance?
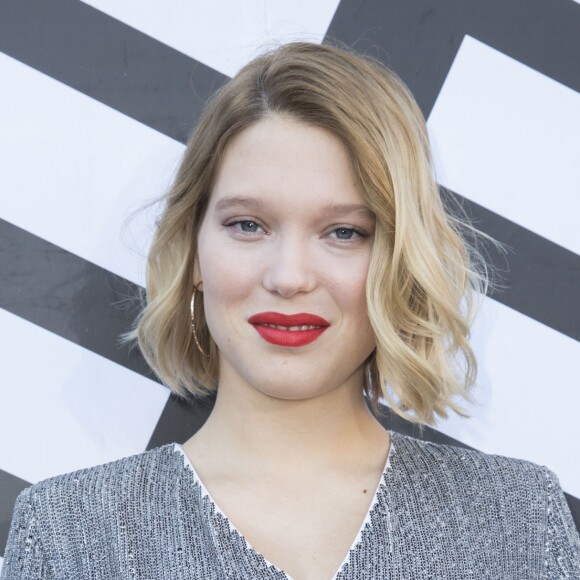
(345, 234)
(248, 226)
(245, 226)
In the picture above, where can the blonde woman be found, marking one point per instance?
(303, 268)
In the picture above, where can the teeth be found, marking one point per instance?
(292, 328)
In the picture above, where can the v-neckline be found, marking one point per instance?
(357, 539)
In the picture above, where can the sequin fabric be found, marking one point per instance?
(439, 513)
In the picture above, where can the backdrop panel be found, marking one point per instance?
(97, 101)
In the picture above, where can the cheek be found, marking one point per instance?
(227, 278)
(226, 273)
(351, 291)
(348, 283)
(215, 260)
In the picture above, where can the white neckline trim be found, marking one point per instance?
(375, 500)
(205, 493)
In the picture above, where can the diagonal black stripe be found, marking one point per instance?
(420, 39)
(574, 504)
(67, 295)
(179, 420)
(10, 487)
(109, 61)
(541, 279)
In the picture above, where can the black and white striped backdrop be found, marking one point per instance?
(96, 101)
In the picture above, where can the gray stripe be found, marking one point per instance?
(541, 278)
(109, 61)
(67, 295)
(179, 420)
(420, 39)
(10, 487)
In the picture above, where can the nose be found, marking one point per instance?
(290, 268)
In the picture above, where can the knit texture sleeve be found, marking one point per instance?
(562, 539)
(24, 558)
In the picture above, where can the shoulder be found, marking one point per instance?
(491, 492)
(51, 531)
(515, 502)
(463, 465)
(122, 474)
(103, 486)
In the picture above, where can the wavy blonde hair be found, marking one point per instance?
(424, 276)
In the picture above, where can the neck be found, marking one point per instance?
(247, 428)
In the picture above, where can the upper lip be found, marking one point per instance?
(278, 319)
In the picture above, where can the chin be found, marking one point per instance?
(293, 390)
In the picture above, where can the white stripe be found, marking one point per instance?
(74, 169)
(529, 393)
(508, 138)
(63, 407)
(223, 34)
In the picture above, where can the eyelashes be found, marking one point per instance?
(346, 234)
(251, 228)
(245, 226)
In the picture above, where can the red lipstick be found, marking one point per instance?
(288, 329)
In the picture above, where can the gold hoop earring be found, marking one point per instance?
(192, 310)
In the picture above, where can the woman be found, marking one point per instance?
(304, 267)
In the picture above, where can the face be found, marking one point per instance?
(283, 256)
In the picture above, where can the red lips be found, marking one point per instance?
(285, 336)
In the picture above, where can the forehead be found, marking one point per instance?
(279, 158)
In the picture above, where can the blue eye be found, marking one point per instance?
(344, 233)
(248, 226)
(347, 236)
(245, 226)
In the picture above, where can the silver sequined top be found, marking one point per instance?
(438, 513)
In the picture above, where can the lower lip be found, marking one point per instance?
(288, 337)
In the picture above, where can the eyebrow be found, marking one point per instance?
(341, 209)
(334, 210)
(251, 202)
